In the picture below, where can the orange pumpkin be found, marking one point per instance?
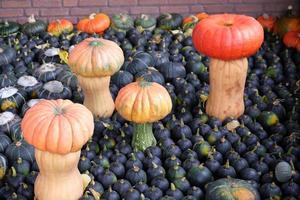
(95, 23)
(292, 39)
(267, 21)
(60, 26)
(93, 61)
(201, 15)
(191, 20)
(228, 39)
(143, 103)
(58, 129)
(286, 23)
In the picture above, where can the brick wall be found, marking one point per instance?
(74, 9)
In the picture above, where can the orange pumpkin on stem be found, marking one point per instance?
(292, 39)
(95, 23)
(229, 39)
(60, 26)
(58, 129)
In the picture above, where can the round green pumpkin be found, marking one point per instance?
(7, 28)
(122, 22)
(231, 189)
(7, 54)
(268, 118)
(33, 26)
(3, 166)
(145, 22)
(169, 21)
(283, 171)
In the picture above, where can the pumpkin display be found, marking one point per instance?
(30, 85)
(288, 22)
(229, 188)
(292, 39)
(58, 129)
(95, 23)
(228, 69)
(12, 98)
(169, 21)
(93, 61)
(267, 21)
(7, 28)
(7, 54)
(33, 26)
(121, 22)
(145, 22)
(60, 26)
(147, 103)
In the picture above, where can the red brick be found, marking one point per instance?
(92, 2)
(54, 12)
(211, 1)
(21, 20)
(196, 9)
(114, 10)
(122, 2)
(83, 11)
(277, 7)
(70, 3)
(46, 3)
(73, 19)
(16, 4)
(175, 9)
(185, 2)
(219, 8)
(248, 8)
(235, 1)
(5, 12)
(144, 9)
(30, 11)
(153, 2)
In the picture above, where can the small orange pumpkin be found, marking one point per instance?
(201, 15)
(60, 26)
(267, 21)
(191, 20)
(292, 39)
(286, 23)
(95, 23)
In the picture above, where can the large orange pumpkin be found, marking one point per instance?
(95, 23)
(228, 39)
(60, 26)
(292, 39)
(143, 103)
(58, 129)
(93, 61)
(267, 21)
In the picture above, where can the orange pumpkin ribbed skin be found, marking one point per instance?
(96, 23)
(57, 126)
(228, 36)
(60, 26)
(143, 102)
(292, 39)
(201, 15)
(267, 21)
(96, 57)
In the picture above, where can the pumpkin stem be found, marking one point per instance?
(1, 50)
(142, 136)
(168, 16)
(92, 16)
(266, 16)
(31, 19)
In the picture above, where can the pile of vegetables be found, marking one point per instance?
(171, 110)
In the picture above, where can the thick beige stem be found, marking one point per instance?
(227, 82)
(59, 177)
(97, 97)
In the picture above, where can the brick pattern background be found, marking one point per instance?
(73, 10)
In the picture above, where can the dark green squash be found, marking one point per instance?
(140, 61)
(30, 85)
(68, 78)
(22, 166)
(283, 171)
(145, 22)
(7, 119)
(231, 189)
(15, 131)
(7, 80)
(20, 149)
(28, 105)
(7, 28)
(121, 22)
(122, 78)
(172, 70)
(152, 75)
(268, 118)
(12, 98)
(54, 90)
(48, 71)
(199, 175)
(169, 21)
(33, 26)
(4, 142)
(7, 54)
(3, 166)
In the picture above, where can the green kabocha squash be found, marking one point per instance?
(4, 142)
(7, 80)
(28, 105)
(122, 22)
(20, 149)
(68, 78)
(54, 90)
(30, 85)
(268, 118)
(15, 131)
(48, 71)
(7, 119)
(199, 175)
(283, 171)
(7, 28)
(231, 189)
(7, 54)
(145, 22)
(12, 98)
(33, 26)
(3, 166)
(169, 21)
